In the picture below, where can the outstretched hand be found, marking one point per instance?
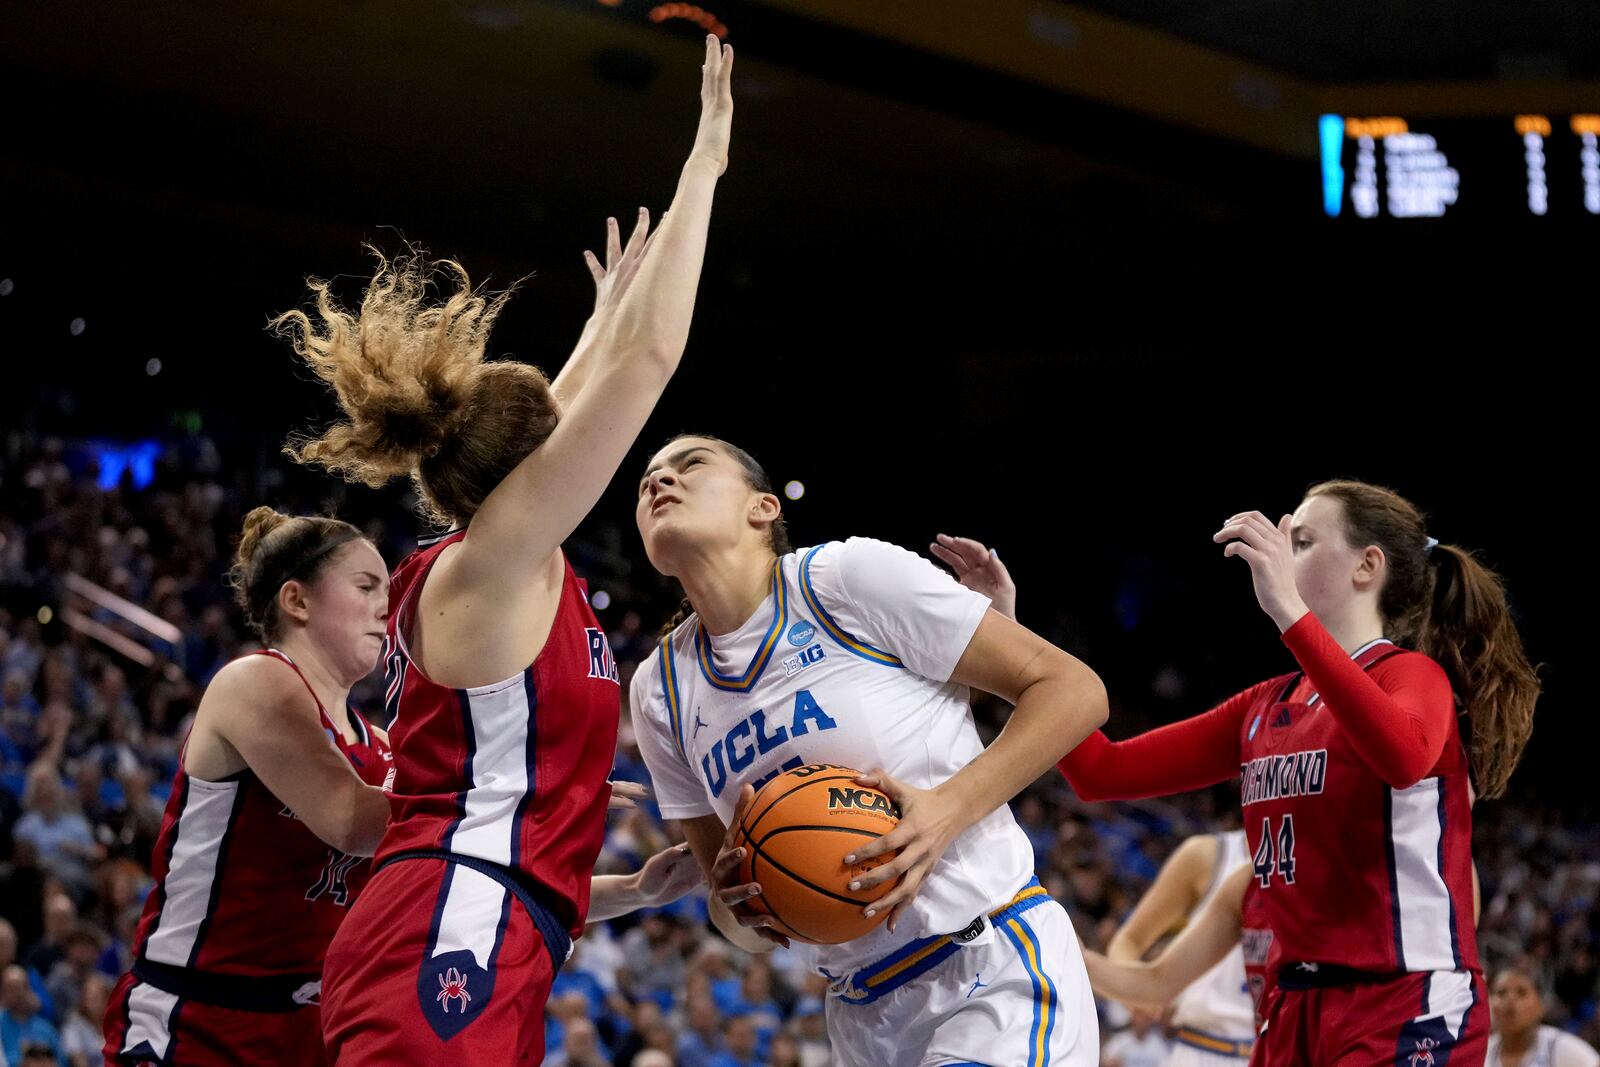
(716, 104)
(979, 569)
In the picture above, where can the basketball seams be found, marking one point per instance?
(792, 889)
(799, 785)
(798, 879)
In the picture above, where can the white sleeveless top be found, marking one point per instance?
(1218, 1002)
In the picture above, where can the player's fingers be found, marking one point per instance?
(1243, 551)
(596, 271)
(613, 243)
(899, 894)
(951, 559)
(887, 872)
(976, 553)
(735, 896)
(641, 232)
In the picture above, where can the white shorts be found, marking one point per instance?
(1183, 1055)
(1015, 995)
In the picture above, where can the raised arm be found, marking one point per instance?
(634, 354)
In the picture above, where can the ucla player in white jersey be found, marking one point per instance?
(1213, 1019)
(860, 653)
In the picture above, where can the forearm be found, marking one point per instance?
(1125, 948)
(654, 314)
(1399, 735)
(1192, 754)
(1051, 717)
(611, 895)
(1130, 981)
(369, 820)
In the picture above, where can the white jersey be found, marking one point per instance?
(1218, 1003)
(1551, 1048)
(848, 661)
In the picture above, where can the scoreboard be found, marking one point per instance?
(1528, 166)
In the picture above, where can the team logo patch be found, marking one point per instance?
(801, 660)
(801, 634)
(1423, 1057)
(452, 986)
(452, 991)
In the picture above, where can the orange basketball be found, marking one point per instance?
(796, 834)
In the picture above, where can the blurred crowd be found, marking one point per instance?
(94, 704)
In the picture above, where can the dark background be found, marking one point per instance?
(944, 299)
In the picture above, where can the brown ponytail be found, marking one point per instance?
(1440, 600)
(417, 395)
(274, 549)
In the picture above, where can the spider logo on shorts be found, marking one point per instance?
(1423, 1057)
(453, 984)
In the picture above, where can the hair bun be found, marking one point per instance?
(257, 525)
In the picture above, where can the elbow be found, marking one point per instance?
(366, 817)
(1090, 704)
(1403, 776)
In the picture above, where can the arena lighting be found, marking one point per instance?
(794, 490)
(153, 367)
(1527, 166)
(690, 13)
(600, 600)
(7, 286)
(76, 327)
(137, 459)
(45, 615)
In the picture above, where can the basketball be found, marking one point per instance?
(796, 834)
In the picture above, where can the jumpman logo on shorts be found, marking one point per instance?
(977, 984)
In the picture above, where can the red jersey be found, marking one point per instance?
(1255, 939)
(241, 885)
(514, 772)
(1353, 783)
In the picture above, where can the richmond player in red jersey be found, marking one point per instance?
(1354, 776)
(276, 801)
(505, 694)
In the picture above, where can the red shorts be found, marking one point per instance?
(145, 1025)
(439, 962)
(1425, 1019)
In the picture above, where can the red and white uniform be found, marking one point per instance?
(229, 951)
(483, 876)
(1354, 788)
(1256, 945)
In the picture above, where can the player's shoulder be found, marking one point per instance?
(258, 681)
(1399, 661)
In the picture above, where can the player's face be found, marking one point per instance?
(693, 497)
(1325, 565)
(1514, 1003)
(349, 606)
